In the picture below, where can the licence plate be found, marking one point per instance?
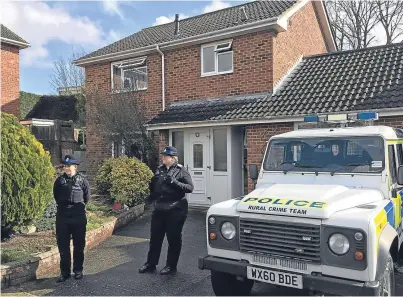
(275, 277)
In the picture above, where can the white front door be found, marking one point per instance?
(198, 165)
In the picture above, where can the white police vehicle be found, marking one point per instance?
(325, 215)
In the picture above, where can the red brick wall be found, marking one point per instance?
(396, 121)
(257, 138)
(252, 70)
(303, 37)
(98, 80)
(10, 79)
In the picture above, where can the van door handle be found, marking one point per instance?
(209, 167)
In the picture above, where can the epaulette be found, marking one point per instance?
(180, 165)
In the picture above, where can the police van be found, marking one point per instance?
(325, 215)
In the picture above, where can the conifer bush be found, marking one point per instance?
(125, 180)
(27, 174)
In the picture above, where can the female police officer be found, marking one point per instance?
(167, 189)
(72, 193)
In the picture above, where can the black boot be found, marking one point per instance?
(147, 268)
(168, 270)
(78, 275)
(62, 278)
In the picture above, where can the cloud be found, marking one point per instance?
(167, 19)
(39, 24)
(112, 7)
(216, 5)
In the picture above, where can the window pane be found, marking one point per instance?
(135, 78)
(178, 142)
(224, 62)
(117, 79)
(197, 156)
(208, 59)
(400, 153)
(220, 150)
(392, 164)
(223, 46)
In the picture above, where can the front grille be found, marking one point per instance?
(295, 241)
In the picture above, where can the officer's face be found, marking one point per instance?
(167, 160)
(70, 169)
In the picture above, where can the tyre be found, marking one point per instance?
(387, 282)
(225, 284)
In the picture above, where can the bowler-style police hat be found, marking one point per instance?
(70, 160)
(170, 151)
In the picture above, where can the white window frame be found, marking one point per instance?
(139, 62)
(217, 52)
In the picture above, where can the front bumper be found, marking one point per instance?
(323, 284)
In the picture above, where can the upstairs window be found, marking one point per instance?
(217, 58)
(130, 75)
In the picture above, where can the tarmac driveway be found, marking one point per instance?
(111, 269)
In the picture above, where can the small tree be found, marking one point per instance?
(68, 79)
(353, 23)
(27, 174)
(390, 15)
(121, 118)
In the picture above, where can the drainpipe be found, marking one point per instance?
(162, 76)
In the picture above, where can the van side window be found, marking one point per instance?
(399, 148)
(392, 164)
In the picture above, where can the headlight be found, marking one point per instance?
(228, 230)
(339, 244)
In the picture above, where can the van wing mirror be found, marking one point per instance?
(253, 172)
(400, 175)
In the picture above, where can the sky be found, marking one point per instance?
(57, 29)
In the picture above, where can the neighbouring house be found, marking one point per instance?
(11, 44)
(219, 85)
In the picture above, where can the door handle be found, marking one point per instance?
(209, 167)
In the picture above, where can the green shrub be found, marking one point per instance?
(124, 180)
(9, 255)
(27, 174)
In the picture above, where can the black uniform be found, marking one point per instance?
(167, 190)
(71, 195)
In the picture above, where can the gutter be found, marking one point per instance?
(20, 44)
(266, 120)
(271, 23)
(162, 76)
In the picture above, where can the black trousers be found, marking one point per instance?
(171, 223)
(68, 227)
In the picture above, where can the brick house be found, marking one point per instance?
(11, 44)
(220, 84)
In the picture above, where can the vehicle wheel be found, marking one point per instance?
(387, 283)
(225, 284)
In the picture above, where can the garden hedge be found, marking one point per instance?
(125, 180)
(27, 174)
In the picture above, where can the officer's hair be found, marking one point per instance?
(176, 158)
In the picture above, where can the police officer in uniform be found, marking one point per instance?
(167, 190)
(72, 193)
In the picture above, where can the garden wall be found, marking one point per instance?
(47, 263)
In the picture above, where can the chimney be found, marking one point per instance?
(176, 22)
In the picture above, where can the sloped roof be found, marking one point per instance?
(6, 33)
(367, 79)
(194, 26)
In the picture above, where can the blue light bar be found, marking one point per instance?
(367, 116)
(310, 119)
